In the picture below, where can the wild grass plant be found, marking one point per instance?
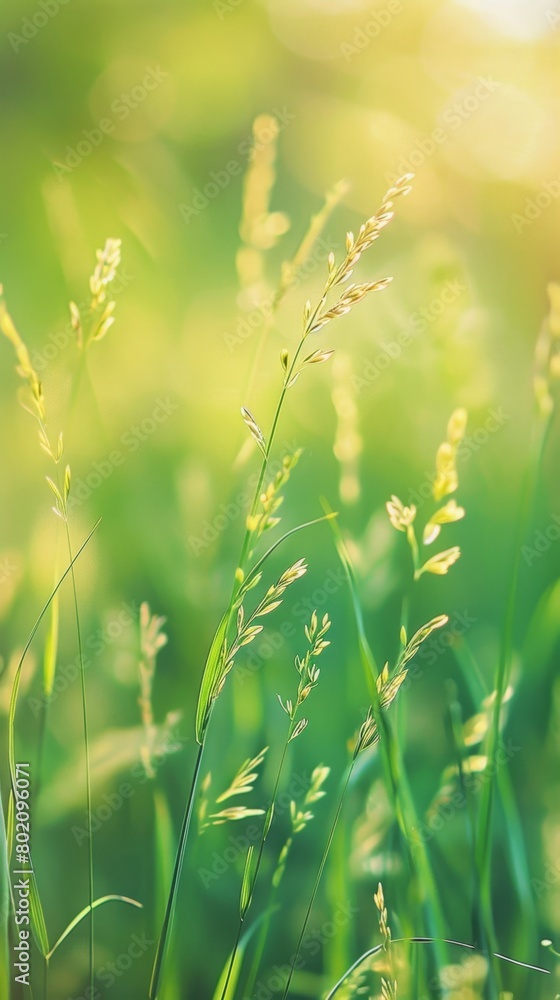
(390, 968)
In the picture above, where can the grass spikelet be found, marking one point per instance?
(233, 814)
(388, 990)
(259, 229)
(254, 428)
(384, 929)
(446, 481)
(271, 499)
(152, 639)
(245, 778)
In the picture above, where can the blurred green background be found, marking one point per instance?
(464, 95)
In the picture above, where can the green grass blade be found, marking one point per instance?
(83, 913)
(51, 649)
(210, 677)
(247, 882)
(37, 917)
(157, 969)
(10, 824)
(238, 961)
(85, 725)
(164, 854)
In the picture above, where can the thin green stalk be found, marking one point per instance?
(49, 671)
(171, 899)
(261, 944)
(232, 958)
(164, 856)
(264, 834)
(319, 876)
(87, 766)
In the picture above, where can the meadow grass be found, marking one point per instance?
(256, 592)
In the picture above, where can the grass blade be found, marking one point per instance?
(164, 854)
(89, 808)
(51, 649)
(83, 913)
(177, 869)
(237, 963)
(210, 677)
(37, 917)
